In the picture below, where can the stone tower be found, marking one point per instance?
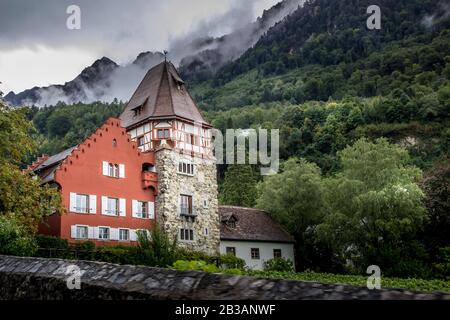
(161, 116)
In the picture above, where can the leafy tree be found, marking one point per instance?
(374, 207)
(239, 186)
(15, 239)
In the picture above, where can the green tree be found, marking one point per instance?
(239, 186)
(374, 208)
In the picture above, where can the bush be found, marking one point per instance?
(50, 242)
(189, 255)
(155, 247)
(198, 265)
(229, 261)
(443, 268)
(116, 254)
(14, 239)
(279, 265)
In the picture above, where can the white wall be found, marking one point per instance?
(243, 251)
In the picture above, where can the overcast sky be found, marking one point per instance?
(37, 49)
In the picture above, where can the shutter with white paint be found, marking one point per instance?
(73, 232)
(151, 210)
(93, 204)
(121, 171)
(105, 168)
(114, 233)
(91, 232)
(95, 232)
(104, 204)
(134, 209)
(133, 236)
(73, 202)
(122, 207)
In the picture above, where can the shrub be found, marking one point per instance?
(155, 248)
(189, 255)
(14, 239)
(229, 261)
(443, 268)
(116, 254)
(279, 265)
(50, 242)
(198, 265)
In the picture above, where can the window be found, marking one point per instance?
(124, 235)
(103, 233)
(113, 206)
(142, 209)
(206, 231)
(82, 203)
(205, 203)
(141, 141)
(277, 253)
(82, 232)
(231, 250)
(113, 170)
(231, 224)
(114, 143)
(255, 253)
(163, 133)
(186, 205)
(191, 139)
(187, 234)
(185, 167)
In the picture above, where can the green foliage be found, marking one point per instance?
(230, 261)
(49, 242)
(356, 280)
(374, 206)
(117, 254)
(156, 248)
(197, 265)
(279, 264)
(443, 267)
(15, 239)
(239, 186)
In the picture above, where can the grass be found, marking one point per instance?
(328, 278)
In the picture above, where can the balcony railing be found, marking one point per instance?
(187, 211)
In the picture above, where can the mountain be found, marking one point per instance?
(210, 54)
(104, 80)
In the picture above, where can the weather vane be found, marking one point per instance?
(165, 54)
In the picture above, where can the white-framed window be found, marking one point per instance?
(186, 167)
(205, 203)
(277, 253)
(186, 235)
(124, 235)
(113, 170)
(143, 209)
(82, 203)
(82, 232)
(103, 233)
(113, 206)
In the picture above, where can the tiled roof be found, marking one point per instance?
(161, 94)
(46, 170)
(251, 225)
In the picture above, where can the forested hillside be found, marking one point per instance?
(333, 88)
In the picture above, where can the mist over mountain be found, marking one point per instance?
(105, 80)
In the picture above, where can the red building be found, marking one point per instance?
(108, 187)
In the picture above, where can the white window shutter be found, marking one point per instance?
(72, 202)
(114, 234)
(105, 168)
(133, 236)
(95, 232)
(121, 171)
(122, 207)
(91, 232)
(93, 204)
(151, 210)
(134, 209)
(73, 232)
(104, 204)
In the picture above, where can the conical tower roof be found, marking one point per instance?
(162, 94)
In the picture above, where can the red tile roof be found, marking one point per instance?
(251, 225)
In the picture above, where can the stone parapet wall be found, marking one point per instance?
(39, 278)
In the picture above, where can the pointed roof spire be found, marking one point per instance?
(162, 94)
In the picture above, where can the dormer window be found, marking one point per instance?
(137, 111)
(231, 224)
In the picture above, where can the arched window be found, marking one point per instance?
(114, 143)
(147, 167)
(116, 171)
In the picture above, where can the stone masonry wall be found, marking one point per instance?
(39, 278)
(201, 186)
